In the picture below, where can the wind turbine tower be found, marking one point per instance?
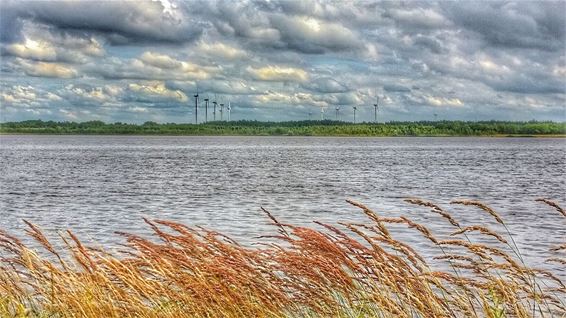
(196, 107)
(355, 108)
(206, 110)
(375, 108)
(221, 111)
(337, 110)
(321, 112)
(229, 109)
(214, 103)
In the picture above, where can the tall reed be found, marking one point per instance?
(328, 270)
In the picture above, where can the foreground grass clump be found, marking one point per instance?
(345, 270)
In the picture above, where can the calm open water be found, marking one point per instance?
(96, 185)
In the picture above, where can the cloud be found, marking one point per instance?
(91, 95)
(26, 101)
(418, 18)
(121, 95)
(429, 43)
(310, 35)
(138, 109)
(160, 60)
(395, 88)
(152, 66)
(122, 22)
(278, 73)
(137, 61)
(31, 49)
(241, 20)
(46, 69)
(349, 98)
(295, 99)
(298, 32)
(326, 85)
(42, 43)
(514, 24)
(155, 91)
(221, 50)
(443, 101)
(212, 87)
(559, 71)
(19, 94)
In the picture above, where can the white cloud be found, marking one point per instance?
(47, 69)
(222, 50)
(152, 66)
(157, 90)
(30, 49)
(311, 35)
(296, 99)
(19, 94)
(491, 67)
(559, 71)
(138, 109)
(443, 101)
(278, 73)
(88, 94)
(419, 17)
(160, 60)
(28, 98)
(43, 43)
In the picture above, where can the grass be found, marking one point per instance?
(341, 270)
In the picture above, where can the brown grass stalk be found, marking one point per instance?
(333, 270)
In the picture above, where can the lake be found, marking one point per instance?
(96, 185)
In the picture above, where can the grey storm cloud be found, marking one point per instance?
(429, 43)
(281, 59)
(395, 88)
(120, 21)
(326, 85)
(529, 85)
(309, 36)
(522, 24)
(417, 18)
(261, 27)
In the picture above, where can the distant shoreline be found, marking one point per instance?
(313, 136)
(327, 128)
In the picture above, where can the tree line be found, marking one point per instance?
(291, 128)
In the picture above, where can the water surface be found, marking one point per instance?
(96, 185)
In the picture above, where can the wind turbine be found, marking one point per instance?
(221, 111)
(214, 111)
(196, 106)
(206, 109)
(229, 110)
(375, 107)
(337, 110)
(321, 112)
(355, 108)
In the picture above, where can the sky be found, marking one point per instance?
(137, 61)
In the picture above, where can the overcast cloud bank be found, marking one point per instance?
(135, 61)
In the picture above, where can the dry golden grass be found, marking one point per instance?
(344, 270)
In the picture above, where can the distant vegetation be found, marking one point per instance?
(344, 270)
(292, 128)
